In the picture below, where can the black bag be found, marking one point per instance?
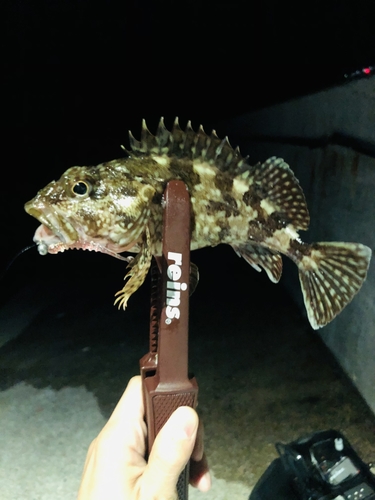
(321, 466)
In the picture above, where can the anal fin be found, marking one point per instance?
(260, 257)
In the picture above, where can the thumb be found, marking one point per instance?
(170, 453)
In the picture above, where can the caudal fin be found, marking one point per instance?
(330, 275)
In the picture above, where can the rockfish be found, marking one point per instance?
(116, 207)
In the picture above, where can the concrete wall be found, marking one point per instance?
(328, 139)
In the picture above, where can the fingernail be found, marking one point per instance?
(189, 429)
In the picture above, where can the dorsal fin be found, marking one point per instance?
(190, 144)
(281, 195)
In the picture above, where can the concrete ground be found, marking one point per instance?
(66, 356)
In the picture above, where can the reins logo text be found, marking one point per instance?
(174, 287)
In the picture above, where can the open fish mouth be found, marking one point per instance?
(54, 229)
(56, 235)
(47, 242)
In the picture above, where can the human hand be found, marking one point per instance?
(115, 465)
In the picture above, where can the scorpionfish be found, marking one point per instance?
(116, 207)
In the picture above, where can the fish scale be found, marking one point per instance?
(116, 207)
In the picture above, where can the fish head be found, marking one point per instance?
(95, 208)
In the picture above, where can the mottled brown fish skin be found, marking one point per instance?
(258, 210)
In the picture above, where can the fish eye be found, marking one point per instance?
(81, 188)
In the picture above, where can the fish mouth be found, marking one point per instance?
(56, 234)
(54, 229)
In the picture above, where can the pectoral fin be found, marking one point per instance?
(135, 277)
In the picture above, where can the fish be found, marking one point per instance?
(117, 206)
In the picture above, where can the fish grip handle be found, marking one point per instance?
(161, 408)
(165, 380)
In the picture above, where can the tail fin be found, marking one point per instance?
(330, 275)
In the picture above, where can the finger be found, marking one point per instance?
(115, 460)
(130, 405)
(126, 429)
(170, 453)
(198, 447)
(199, 471)
(122, 439)
(199, 474)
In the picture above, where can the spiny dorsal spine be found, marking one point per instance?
(189, 144)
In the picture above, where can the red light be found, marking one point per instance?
(366, 71)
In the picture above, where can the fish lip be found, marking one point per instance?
(39, 215)
(59, 226)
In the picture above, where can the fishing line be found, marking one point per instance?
(10, 263)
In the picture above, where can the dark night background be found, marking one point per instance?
(76, 75)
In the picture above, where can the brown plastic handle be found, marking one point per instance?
(166, 383)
